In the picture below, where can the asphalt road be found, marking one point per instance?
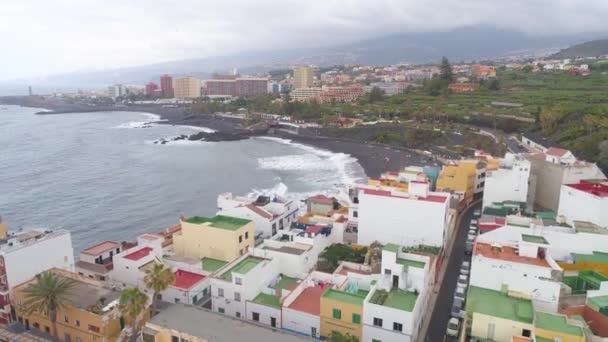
(441, 313)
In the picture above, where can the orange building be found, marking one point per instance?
(483, 71)
(463, 87)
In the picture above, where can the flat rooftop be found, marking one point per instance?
(202, 323)
(309, 300)
(219, 221)
(498, 304)
(596, 189)
(212, 265)
(556, 323)
(185, 280)
(534, 239)
(396, 299)
(139, 254)
(267, 300)
(287, 283)
(385, 193)
(595, 257)
(391, 247)
(101, 248)
(507, 254)
(407, 263)
(356, 298)
(242, 267)
(296, 250)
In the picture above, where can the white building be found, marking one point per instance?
(559, 156)
(97, 261)
(585, 201)
(411, 218)
(268, 214)
(509, 182)
(296, 251)
(518, 269)
(301, 309)
(131, 265)
(396, 306)
(26, 254)
(241, 281)
(117, 90)
(188, 288)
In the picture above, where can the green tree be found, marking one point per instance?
(493, 84)
(445, 70)
(375, 95)
(132, 303)
(158, 279)
(549, 118)
(527, 68)
(338, 337)
(49, 293)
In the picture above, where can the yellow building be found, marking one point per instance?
(187, 87)
(92, 314)
(3, 229)
(302, 77)
(342, 312)
(597, 262)
(222, 238)
(459, 178)
(552, 327)
(305, 94)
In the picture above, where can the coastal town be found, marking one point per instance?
(488, 248)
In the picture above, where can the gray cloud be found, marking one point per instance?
(44, 37)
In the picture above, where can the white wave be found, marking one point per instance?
(137, 124)
(280, 189)
(200, 129)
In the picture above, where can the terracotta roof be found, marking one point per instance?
(314, 229)
(309, 300)
(320, 199)
(342, 219)
(259, 211)
(138, 254)
(596, 189)
(185, 280)
(555, 151)
(101, 248)
(507, 254)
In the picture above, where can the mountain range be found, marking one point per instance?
(467, 43)
(587, 49)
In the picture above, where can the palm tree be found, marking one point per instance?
(132, 303)
(49, 293)
(158, 279)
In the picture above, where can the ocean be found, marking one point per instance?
(103, 177)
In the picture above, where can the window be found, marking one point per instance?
(526, 333)
(238, 315)
(221, 310)
(94, 328)
(220, 292)
(375, 340)
(238, 281)
(66, 319)
(387, 271)
(47, 329)
(337, 313)
(241, 252)
(398, 326)
(174, 339)
(356, 318)
(176, 300)
(67, 338)
(246, 235)
(77, 323)
(237, 296)
(240, 238)
(313, 331)
(355, 213)
(36, 325)
(377, 322)
(255, 316)
(274, 226)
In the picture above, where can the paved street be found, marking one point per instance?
(443, 304)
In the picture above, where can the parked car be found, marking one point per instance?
(468, 248)
(472, 227)
(474, 223)
(463, 280)
(466, 264)
(471, 237)
(465, 271)
(461, 292)
(457, 308)
(453, 327)
(477, 213)
(473, 232)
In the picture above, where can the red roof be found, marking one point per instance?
(186, 280)
(314, 229)
(138, 254)
(309, 300)
(596, 189)
(392, 173)
(259, 211)
(429, 198)
(101, 248)
(321, 199)
(342, 219)
(507, 254)
(557, 152)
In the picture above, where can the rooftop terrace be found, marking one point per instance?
(267, 300)
(498, 304)
(309, 300)
(596, 257)
(212, 265)
(186, 280)
(242, 267)
(391, 247)
(286, 283)
(101, 248)
(219, 221)
(534, 239)
(407, 263)
(507, 254)
(556, 323)
(355, 298)
(396, 299)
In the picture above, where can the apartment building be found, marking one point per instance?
(25, 254)
(166, 86)
(220, 237)
(187, 87)
(510, 181)
(270, 214)
(459, 179)
(302, 77)
(348, 93)
(242, 86)
(97, 261)
(304, 94)
(585, 201)
(91, 315)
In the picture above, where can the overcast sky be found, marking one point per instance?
(41, 37)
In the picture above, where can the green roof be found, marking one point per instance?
(599, 301)
(391, 247)
(219, 221)
(407, 263)
(596, 257)
(346, 297)
(396, 299)
(556, 323)
(267, 300)
(498, 304)
(286, 283)
(212, 265)
(546, 215)
(242, 267)
(534, 239)
(542, 339)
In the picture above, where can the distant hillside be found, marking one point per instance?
(588, 49)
